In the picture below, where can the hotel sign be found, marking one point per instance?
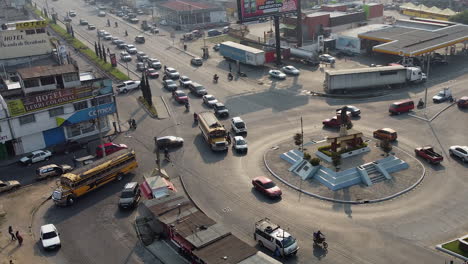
(31, 24)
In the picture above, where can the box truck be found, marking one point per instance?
(242, 53)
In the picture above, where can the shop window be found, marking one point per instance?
(80, 105)
(27, 119)
(40, 30)
(101, 100)
(31, 83)
(86, 127)
(47, 80)
(70, 77)
(30, 31)
(56, 111)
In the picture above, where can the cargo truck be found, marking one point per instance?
(242, 53)
(343, 81)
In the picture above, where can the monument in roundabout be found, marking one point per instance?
(338, 149)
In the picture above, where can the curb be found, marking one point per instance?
(453, 254)
(188, 195)
(165, 105)
(33, 213)
(343, 201)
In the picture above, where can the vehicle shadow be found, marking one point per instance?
(205, 151)
(319, 252)
(40, 251)
(262, 198)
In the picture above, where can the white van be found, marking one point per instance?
(271, 236)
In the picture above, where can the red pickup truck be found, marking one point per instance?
(334, 121)
(429, 154)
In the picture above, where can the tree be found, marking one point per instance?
(96, 49)
(298, 139)
(461, 17)
(386, 146)
(336, 159)
(307, 156)
(149, 96)
(315, 161)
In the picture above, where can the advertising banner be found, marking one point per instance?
(254, 9)
(113, 60)
(31, 24)
(87, 114)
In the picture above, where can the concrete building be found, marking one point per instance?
(52, 106)
(198, 237)
(189, 15)
(24, 42)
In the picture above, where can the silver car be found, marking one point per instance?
(210, 100)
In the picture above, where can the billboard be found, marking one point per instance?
(254, 9)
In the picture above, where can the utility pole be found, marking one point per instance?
(278, 41)
(101, 141)
(299, 24)
(302, 136)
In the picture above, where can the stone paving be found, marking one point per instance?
(401, 180)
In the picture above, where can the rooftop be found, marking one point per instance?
(354, 32)
(413, 42)
(178, 5)
(47, 70)
(206, 236)
(163, 205)
(365, 69)
(187, 222)
(332, 14)
(228, 250)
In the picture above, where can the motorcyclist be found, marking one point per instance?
(230, 76)
(215, 77)
(195, 117)
(319, 236)
(187, 106)
(116, 24)
(126, 33)
(108, 22)
(420, 103)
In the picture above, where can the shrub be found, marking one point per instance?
(307, 156)
(315, 161)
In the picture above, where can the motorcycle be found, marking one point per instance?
(420, 103)
(320, 240)
(230, 76)
(215, 78)
(195, 118)
(187, 107)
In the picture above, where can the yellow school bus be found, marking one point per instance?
(213, 131)
(92, 176)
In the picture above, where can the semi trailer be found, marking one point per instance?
(242, 53)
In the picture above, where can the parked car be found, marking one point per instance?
(101, 32)
(67, 147)
(131, 49)
(401, 107)
(91, 27)
(184, 81)
(460, 152)
(352, 110)
(290, 70)
(463, 102)
(49, 237)
(109, 148)
(107, 36)
(72, 13)
(134, 20)
(172, 73)
(127, 86)
(386, 133)
(154, 30)
(197, 89)
(169, 142)
(101, 14)
(141, 56)
(442, 96)
(140, 66)
(152, 73)
(36, 156)
(239, 144)
(197, 61)
(130, 195)
(428, 153)
(267, 187)
(154, 63)
(216, 47)
(117, 42)
(221, 110)
(214, 32)
(180, 96)
(140, 39)
(170, 85)
(210, 100)
(122, 45)
(124, 56)
(238, 125)
(83, 22)
(327, 58)
(277, 74)
(9, 186)
(52, 170)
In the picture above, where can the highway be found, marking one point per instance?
(403, 230)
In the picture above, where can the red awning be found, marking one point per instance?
(146, 190)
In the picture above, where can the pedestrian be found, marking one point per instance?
(19, 237)
(130, 124)
(74, 161)
(108, 51)
(230, 67)
(10, 231)
(228, 140)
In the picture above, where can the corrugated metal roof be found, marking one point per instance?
(47, 70)
(368, 69)
(203, 237)
(228, 250)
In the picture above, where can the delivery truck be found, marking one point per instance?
(242, 53)
(342, 81)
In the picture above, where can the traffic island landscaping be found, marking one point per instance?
(82, 48)
(399, 183)
(457, 248)
(150, 109)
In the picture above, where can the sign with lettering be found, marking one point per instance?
(91, 113)
(31, 24)
(254, 9)
(58, 97)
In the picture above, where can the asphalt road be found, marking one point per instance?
(403, 230)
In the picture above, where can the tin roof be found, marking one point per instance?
(188, 221)
(368, 69)
(163, 205)
(228, 250)
(46, 70)
(178, 5)
(208, 235)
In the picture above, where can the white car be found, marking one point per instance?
(154, 63)
(127, 86)
(131, 49)
(240, 144)
(460, 152)
(290, 70)
(327, 58)
(36, 156)
(184, 81)
(49, 237)
(238, 125)
(172, 73)
(107, 36)
(277, 74)
(9, 185)
(209, 100)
